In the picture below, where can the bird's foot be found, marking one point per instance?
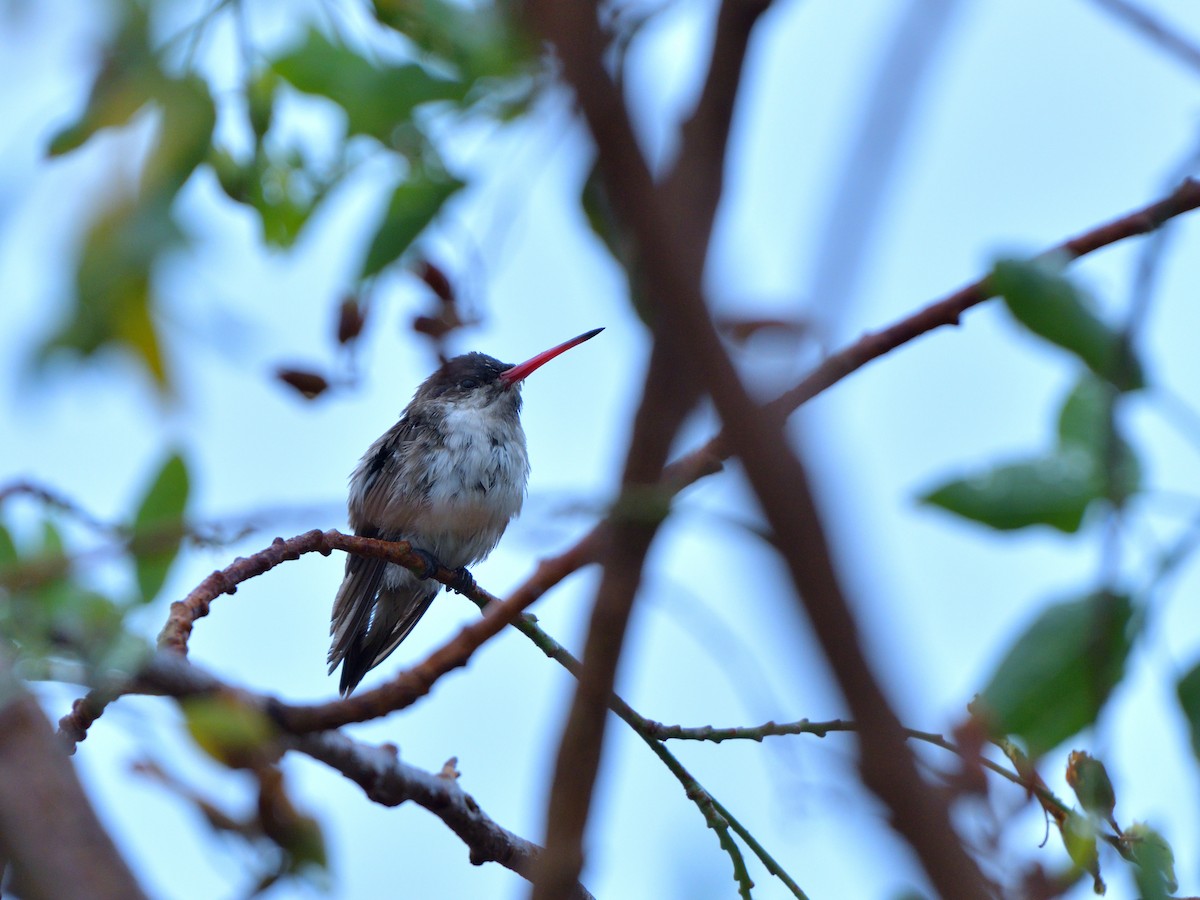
(464, 581)
(428, 560)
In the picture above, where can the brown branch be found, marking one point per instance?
(696, 181)
(693, 191)
(49, 833)
(665, 401)
(403, 690)
(390, 782)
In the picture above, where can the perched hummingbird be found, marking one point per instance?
(448, 477)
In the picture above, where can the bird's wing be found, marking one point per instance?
(381, 496)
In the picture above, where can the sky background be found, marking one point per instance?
(1034, 121)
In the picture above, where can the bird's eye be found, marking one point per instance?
(468, 384)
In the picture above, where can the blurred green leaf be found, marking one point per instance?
(1087, 422)
(158, 526)
(260, 102)
(52, 546)
(8, 549)
(1089, 780)
(228, 729)
(376, 97)
(278, 186)
(483, 42)
(1188, 692)
(1054, 490)
(1154, 860)
(1091, 462)
(413, 206)
(1058, 674)
(128, 78)
(1086, 414)
(1049, 305)
(1079, 839)
(297, 834)
(112, 303)
(183, 140)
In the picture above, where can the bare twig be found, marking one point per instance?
(53, 499)
(715, 816)
(387, 780)
(758, 733)
(1155, 29)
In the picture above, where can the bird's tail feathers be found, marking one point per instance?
(396, 613)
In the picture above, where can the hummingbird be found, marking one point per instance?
(448, 477)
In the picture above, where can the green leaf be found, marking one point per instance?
(125, 83)
(413, 206)
(1079, 839)
(480, 40)
(1089, 780)
(1154, 861)
(229, 730)
(158, 526)
(1084, 420)
(1058, 675)
(1087, 422)
(1050, 306)
(1054, 491)
(1188, 692)
(53, 546)
(112, 302)
(377, 98)
(8, 549)
(184, 138)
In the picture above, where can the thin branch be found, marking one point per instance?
(1155, 29)
(643, 728)
(385, 779)
(168, 673)
(404, 689)
(758, 733)
(53, 499)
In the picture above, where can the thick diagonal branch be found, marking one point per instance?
(49, 833)
(779, 479)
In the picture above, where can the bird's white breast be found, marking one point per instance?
(477, 483)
